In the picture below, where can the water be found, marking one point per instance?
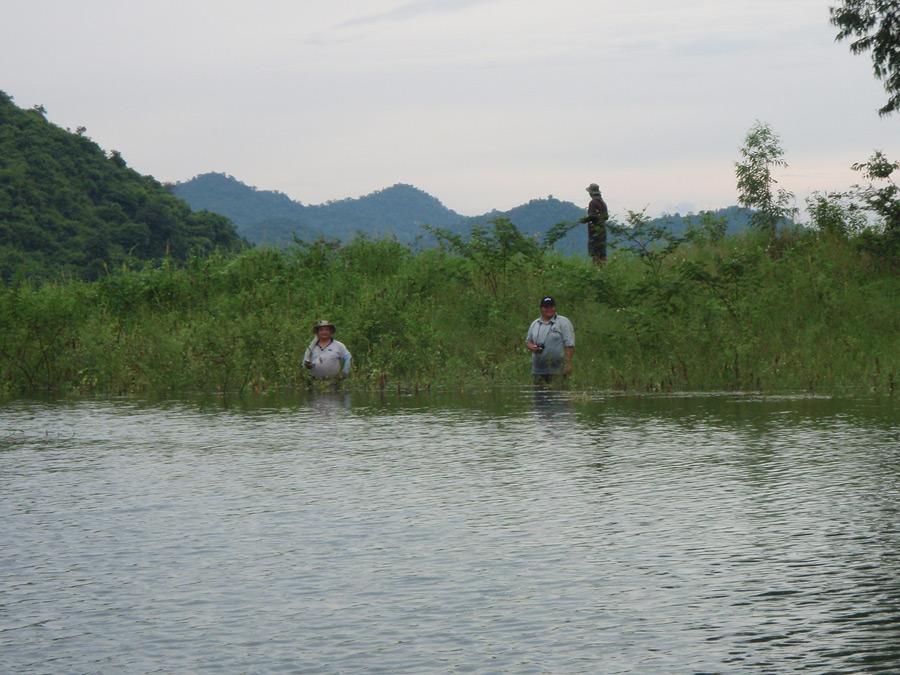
(512, 532)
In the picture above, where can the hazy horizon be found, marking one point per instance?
(483, 103)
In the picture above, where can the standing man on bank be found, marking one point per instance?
(326, 357)
(596, 219)
(551, 341)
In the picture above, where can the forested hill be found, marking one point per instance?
(265, 216)
(400, 211)
(269, 217)
(242, 204)
(69, 208)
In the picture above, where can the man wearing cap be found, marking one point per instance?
(325, 356)
(596, 219)
(551, 341)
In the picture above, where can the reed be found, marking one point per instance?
(803, 311)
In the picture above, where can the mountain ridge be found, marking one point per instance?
(68, 208)
(272, 218)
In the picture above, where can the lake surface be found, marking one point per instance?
(511, 532)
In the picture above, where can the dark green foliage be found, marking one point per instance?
(882, 200)
(870, 213)
(833, 216)
(496, 251)
(66, 208)
(874, 25)
(695, 311)
(36, 327)
(652, 241)
(538, 218)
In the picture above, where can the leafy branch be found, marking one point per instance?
(495, 250)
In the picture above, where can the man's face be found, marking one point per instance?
(324, 332)
(547, 311)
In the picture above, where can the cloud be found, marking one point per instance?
(483, 103)
(413, 10)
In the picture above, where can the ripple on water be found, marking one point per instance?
(540, 534)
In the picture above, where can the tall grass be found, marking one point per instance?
(801, 312)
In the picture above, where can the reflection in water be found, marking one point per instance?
(549, 405)
(525, 531)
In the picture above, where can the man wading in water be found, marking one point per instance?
(551, 341)
(326, 357)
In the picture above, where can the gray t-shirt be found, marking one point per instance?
(555, 335)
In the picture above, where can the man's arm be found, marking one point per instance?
(529, 341)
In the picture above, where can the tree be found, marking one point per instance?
(117, 159)
(884, 201)
(875, 25)
(833, 215)
(651, 240)
(762, 152)
(495, 251)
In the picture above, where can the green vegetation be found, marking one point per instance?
(68, 208)
(110, 285)
(761, 154)
(802, 310)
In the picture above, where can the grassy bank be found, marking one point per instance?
(801, 312)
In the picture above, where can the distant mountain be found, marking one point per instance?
(400, 211)
(269, 217)
(538, 216)
(68, 208)
(240, 203)
(736, 219)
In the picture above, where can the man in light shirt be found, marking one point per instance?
(326, 357)
(551, 341)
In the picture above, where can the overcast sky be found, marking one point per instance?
(482, 103)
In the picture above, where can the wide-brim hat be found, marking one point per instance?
(324, 324)
(593, 188)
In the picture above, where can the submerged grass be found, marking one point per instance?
(802, 312)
